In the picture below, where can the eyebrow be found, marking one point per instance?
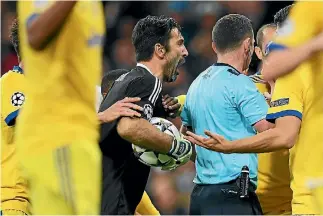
(181, 40)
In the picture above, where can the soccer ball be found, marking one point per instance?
(17, 99)
(150, 157)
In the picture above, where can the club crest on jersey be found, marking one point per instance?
(17, 99)
(148, 111)
(279, 102)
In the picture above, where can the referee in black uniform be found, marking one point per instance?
(160, 49)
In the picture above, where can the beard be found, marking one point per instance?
(172, 69)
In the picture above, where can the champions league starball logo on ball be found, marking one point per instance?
(17, 99)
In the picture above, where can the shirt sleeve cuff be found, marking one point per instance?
(273, 116)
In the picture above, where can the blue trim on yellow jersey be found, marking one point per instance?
(17, 69)
(31, 18)
(273, 116)
(273, 46)
(10, 119)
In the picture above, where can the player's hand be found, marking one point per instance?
(181, 150)
(125, 107)
(170, 165)
(268, 95)
(214, 141)
(171, 105)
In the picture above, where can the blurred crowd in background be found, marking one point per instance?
(169, 191)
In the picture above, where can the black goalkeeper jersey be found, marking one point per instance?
(124, 177)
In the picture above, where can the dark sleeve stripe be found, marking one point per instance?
(159, 90)
(273, 116)
(10, 119)
(156, 91)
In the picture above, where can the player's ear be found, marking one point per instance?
(213, 47)
(259, 53)
(246, 45)
(160, 50)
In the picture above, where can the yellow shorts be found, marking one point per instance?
(65, 181)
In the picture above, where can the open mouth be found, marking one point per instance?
(181, 62)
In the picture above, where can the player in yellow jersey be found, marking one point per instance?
(14, 199)
(305, 37)
(57, 136)
(296, 108)
(273, 189)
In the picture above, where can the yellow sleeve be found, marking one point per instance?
(181, 101)
(12, 96)
(146, 207)
(29, 10)
(305, 21)
(287, 99)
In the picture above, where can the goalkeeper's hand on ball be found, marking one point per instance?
(181, 152)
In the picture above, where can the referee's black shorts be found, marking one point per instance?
(222, 199)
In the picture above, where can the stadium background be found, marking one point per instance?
(169, 191)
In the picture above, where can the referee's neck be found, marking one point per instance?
(232, 60)
(156, 69)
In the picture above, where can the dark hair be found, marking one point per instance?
(260, 33)
(109, 78)
(14, 36)
(230, 31)
(150, 31)
(282, 15)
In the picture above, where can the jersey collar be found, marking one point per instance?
(17, 69)
(235, 71)
(144, 66)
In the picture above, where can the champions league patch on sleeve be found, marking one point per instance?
(279, 102)
(148, 111)
(17, 99)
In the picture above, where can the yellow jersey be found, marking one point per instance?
(13, 186)
(61, 79)
(300, 94)
(273, 188)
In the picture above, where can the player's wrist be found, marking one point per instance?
(180, 148)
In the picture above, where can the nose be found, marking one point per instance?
(185, 52)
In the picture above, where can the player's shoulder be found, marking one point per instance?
(11, 76)
(140, 78)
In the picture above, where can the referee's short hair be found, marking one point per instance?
(150, 31)
(109, 78)
(230, 31)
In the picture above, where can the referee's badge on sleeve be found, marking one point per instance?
(148, 111)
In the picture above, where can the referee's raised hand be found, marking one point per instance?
(125, 107)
